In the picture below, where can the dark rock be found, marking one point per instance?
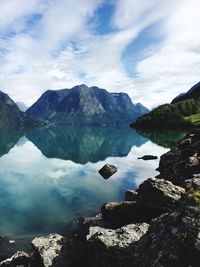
(172, 240)
(126, 212)
(9, 246)
(131, 195)
(19, 259)
(148, 157)
(56, 251)
(182, 162)
(159, 193)
(111, 247)
(88, 222)
(107, 171)
(193, 183)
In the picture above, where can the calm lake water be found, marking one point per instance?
(49, 177)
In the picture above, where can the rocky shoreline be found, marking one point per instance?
(157, 225)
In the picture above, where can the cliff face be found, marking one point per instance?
(84, 106)
(11, 117)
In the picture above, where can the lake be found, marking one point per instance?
(49, 177)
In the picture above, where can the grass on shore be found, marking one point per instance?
(195, 118)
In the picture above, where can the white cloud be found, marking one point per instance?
(62, 49)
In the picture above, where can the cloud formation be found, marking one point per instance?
(58, 44)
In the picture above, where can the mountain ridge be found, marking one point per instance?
(85, 106)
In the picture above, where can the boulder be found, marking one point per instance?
(148, 157)
(56, 251)
(19, 259)
(110, 248)
(159, 193)
(107, 171)
(131, 195)
(182, 162)
(172, 240)
(126, 212)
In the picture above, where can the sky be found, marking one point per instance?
(149, 49)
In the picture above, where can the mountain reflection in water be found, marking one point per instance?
(49, 176)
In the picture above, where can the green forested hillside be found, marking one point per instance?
(183, 114)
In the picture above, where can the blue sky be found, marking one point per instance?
(148, 49)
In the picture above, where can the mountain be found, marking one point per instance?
(83, 105)
(11, 117)
(85, 144)
(194, 92)
(140, 109)
(21, 106)
(183, 112)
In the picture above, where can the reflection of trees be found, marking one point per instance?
(166, 138)
(82, 145)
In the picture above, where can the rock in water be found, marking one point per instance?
(148, 157)
(107, 171)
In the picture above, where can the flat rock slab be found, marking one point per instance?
(107, 171)
(114, 248)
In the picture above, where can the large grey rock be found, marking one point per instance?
(172, 240)
(19, 259)
(182, 162)
(159, 193)
(107, 171)
(56, 251)
(111, 247)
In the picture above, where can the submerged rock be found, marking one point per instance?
(107, 171)
(148, 157)
(159, 193)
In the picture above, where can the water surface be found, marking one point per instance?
(49, 177)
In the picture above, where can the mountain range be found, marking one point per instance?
(83, 105)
